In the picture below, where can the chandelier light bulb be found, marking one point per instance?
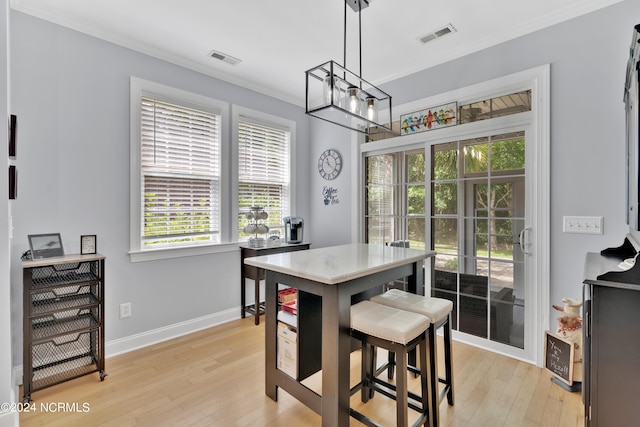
(354, 100)
(331, 90)
(372, 109)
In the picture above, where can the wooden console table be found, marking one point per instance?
(327, 279)
(257, 274)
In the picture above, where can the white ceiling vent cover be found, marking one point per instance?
(224, 57)
(440, 32)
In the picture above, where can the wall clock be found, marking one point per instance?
(330, 164)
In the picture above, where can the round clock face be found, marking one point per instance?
(330, 164)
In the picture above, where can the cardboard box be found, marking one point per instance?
(287, 360)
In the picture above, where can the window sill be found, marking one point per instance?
(157, 254)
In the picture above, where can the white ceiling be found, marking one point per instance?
(278, 40)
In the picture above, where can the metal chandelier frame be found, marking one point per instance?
(342, 97)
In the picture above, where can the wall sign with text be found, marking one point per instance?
(558, 357)
(330, 195)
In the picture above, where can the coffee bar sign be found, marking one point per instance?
(330, 195)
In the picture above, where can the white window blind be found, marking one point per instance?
(180, 165)
(263, 171)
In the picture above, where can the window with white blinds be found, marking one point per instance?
(180, 168)
(263, 172)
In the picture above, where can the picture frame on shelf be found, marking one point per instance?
(45, 245)
(88, 244)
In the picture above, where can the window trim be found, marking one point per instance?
(267, 120)
(140, 87)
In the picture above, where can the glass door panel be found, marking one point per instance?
(483, 272)
(416, 232)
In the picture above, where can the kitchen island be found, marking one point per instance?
(327, 280)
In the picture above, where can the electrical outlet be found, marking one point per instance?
(125, 310)
(583, 224)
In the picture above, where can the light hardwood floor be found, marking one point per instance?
(215, 377)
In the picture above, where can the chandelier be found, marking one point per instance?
(343, 97)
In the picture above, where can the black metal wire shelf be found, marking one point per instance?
(63, 322)
(69, 278)
(54, 305)
(50, 328)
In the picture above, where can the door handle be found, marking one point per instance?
(523, 241)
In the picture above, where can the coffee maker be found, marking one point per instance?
(293, 226)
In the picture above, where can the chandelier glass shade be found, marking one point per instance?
(339, 96)
(343, 97)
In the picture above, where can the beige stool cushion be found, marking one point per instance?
(434, 308)
(387, 323)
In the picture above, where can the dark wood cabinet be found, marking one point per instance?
(258, 274)
(611, 328)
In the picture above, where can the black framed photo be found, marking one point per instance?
(45, 245)
(13, 127)
(88, 244)
(13, 182)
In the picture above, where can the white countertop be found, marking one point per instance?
(65, 259)
(336, 264)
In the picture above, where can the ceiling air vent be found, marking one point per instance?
(224, 57)
(440, 32)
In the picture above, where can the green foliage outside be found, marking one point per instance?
(179, 220)
(492, 202)
(493, 205)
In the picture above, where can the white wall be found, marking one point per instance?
(330, 224)
(71, 96)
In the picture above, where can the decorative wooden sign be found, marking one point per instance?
(558, 357)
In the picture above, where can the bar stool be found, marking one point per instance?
(398, 331)
(439, 311)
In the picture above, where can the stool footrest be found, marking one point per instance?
(363, 418)
(356, 388)
(370, 423)
(444, 391)
(388, 386)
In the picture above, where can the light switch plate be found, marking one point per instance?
(583, 224)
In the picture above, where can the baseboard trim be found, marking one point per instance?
(10, 419)
(145, 339)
